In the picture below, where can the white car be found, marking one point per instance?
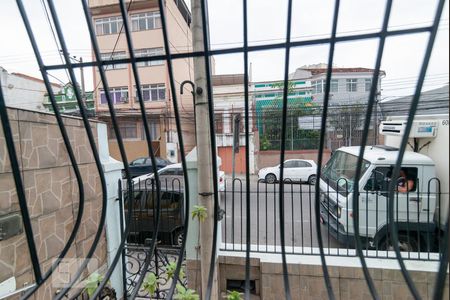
(294, 169)
(177, 170)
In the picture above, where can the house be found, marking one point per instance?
(24, 91)
(431, 102)
(67, 102)
(145, 22)
(229, 104)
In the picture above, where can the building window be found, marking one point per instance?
(218, 122)
(368, 84)
(115, 56)
(153, 126)
(317, 86)
(145, 21)
(111, 25)
(352, 85)
(334, 87)
(118, 95)
(148, 53)
(153, 92)
(128, 130)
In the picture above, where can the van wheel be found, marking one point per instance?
(178, 238)
(404, 243)
(270, 178)
(312, 180)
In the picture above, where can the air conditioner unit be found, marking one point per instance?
(420, 129)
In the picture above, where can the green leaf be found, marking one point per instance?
(170, 270)
(92, 283)
(234, 295)
(200, 212)
(150, 283)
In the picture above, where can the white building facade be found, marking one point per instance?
(23, 91)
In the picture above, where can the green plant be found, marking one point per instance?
(150, 283)
(185, 294)
(200, 212)
(170, 270)
(92, 283)
(234, 295)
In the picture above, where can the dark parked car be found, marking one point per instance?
(143, 165)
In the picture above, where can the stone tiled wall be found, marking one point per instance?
(51, 192)
(307, 282)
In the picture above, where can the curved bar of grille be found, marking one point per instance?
(287, 290)
(122, 151)
(69, 152)
(19, 188)
(148, 137)
(247, 155)
(371, 102)
(181, 143)
(396, 170)
(235, 50)
(326, 274)
(205, 22)
(91, 142)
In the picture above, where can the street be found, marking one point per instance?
(299, 218)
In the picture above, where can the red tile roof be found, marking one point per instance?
(317, 71)
(35, 79)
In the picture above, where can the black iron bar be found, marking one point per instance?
(69, 152)
(92, 144)
(247, 153)
(265, 47)
(403, 144)
(282, 151)
(124, 234)
(371, 102)
(9, 138)
(326, 99)
(181, 144)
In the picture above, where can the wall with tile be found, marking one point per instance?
(52, 195)
(306, 277)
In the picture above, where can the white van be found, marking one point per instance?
(413, 210)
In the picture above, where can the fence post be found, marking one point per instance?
(113, 173)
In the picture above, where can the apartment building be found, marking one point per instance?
(145, 22)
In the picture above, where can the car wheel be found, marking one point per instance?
(312, 179)
(271, 178)
(404, 243)
(178, 237)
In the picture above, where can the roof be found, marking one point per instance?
(35, 79)
(374, 153)
(317, 71)
(228, 79)
(431, 102)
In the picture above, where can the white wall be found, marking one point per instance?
(21, 92)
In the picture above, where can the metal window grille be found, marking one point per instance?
(287, 46)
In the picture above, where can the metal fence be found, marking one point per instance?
(206, 54)
(419, 225)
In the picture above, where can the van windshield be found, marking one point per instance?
(339, 171)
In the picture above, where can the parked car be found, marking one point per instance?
(173, 171)
(294, 169)
(172, 206)
(143, 165)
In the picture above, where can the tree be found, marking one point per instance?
(271, 118)
(346, 120)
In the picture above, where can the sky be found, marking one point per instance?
(267, 21)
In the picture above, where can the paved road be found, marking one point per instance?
(299, 219)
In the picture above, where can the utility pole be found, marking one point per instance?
(204, 159)
(83, 89)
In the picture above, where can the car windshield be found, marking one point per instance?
(339, 171)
